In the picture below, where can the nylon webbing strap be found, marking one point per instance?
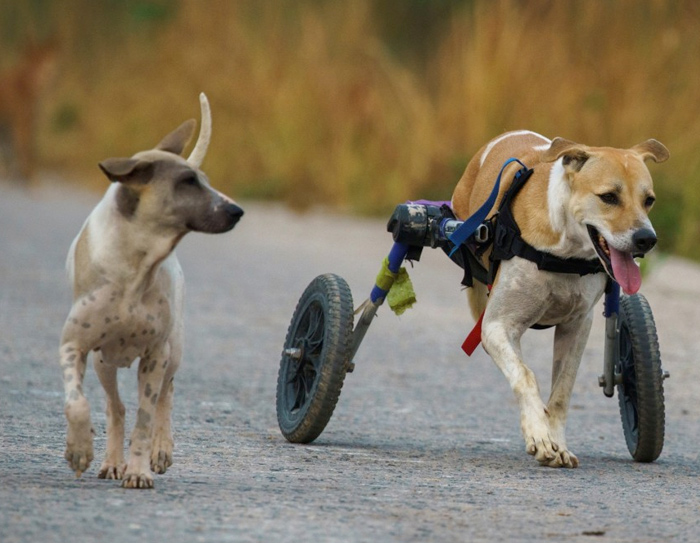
(468, 227)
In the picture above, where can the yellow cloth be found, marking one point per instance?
(401, 296)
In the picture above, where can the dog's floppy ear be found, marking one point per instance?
(652, 149)
(574, 155)
(176, 141)
(127, 170)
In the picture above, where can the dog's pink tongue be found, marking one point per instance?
(626, 271)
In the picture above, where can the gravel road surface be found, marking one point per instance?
(424, 444)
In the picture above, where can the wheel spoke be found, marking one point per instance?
(314, 332)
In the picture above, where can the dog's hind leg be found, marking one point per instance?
(152, 369)
(79, 451)
(569, 342)
(113, 466)
(477, 296)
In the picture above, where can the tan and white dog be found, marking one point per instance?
(581, 202)
(128, 298)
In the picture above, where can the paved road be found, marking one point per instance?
(424, 444)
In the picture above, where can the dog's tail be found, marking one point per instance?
(200, 148)
(477, 296)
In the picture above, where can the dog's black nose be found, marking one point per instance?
(644, 239)
(234, 213)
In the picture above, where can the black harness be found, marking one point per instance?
(507, 242)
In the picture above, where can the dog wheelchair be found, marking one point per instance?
(322, 338)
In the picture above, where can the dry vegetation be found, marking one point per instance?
(313, 103)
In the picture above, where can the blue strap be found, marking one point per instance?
(469, 226)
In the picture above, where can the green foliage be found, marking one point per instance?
(363, 104)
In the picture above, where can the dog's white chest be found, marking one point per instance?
(550, 298)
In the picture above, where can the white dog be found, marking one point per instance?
(128, 298)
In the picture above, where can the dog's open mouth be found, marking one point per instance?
(619, 265)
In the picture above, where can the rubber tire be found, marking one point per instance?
(641, 392)
(303, 414)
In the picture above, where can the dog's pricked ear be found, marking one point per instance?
(127, 170)
(176, 141)
(652, 149)
(574, 155)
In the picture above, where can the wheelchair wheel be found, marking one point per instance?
(315, 358)
(640, 390)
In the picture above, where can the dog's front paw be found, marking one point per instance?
(79, 458)
(549, 453)
(161, 460)
(110, 471)
(542, 448)
(138, 480)
(563, 459)
(79, 452)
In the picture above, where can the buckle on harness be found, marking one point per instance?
(482, 233)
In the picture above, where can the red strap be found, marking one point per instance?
(474, 338)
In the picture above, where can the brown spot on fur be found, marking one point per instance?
(152, 365)
(143, 418)
(72, 357)
(107, 320)
(74, 395)
(86, 325)
(147, 391)
(154, 399)
(127, 201)
(150, 317)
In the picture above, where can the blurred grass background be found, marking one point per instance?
(362, 104)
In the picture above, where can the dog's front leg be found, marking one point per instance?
(113, 466)
(79, 451)
(152, 368)
(162, 452)
(503, 344)
(509, 313)
(569, 342)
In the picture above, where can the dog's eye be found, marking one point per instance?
(610, 198)
(649, 201)
(190, 180)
